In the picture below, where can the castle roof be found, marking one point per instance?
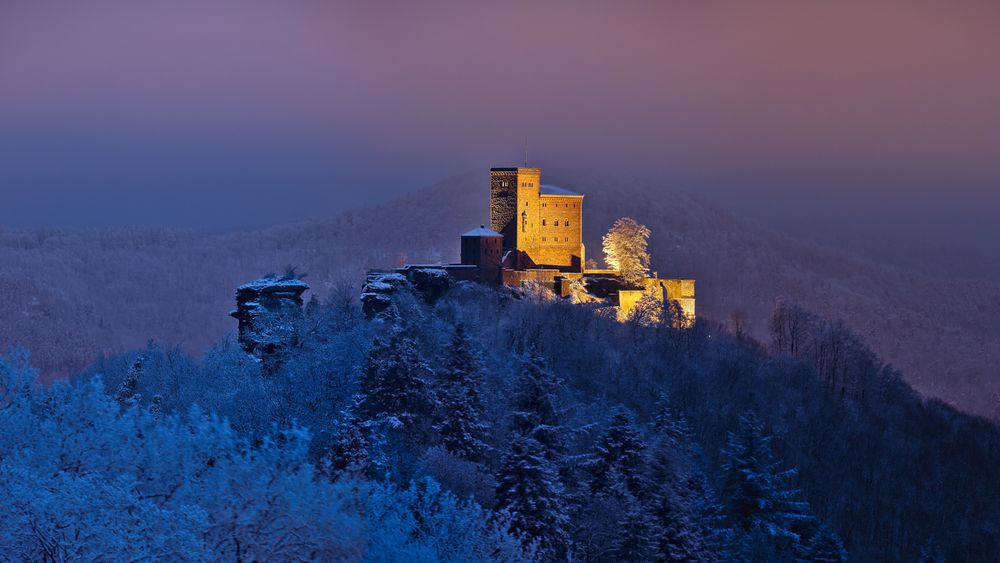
(481, 231)
(549, 189)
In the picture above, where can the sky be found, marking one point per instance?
(870, 124)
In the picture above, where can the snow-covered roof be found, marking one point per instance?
(481, 231)
(549, 189)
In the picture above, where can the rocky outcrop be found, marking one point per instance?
(427, 283)
(430, 283)
(267, 309)
(376, 294)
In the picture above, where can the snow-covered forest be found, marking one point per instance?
(78, 293)
(487, 427)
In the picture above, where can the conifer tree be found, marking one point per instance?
(678, 503)
(678, 536)
(636, 540)
(528, 489)
(349, 452)
(825, 547)
(128, 393)
(621, 450)
(460, 420)
(535, 407)
(757, 495)
(670, 424)
(395, 383)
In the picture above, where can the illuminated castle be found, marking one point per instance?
(536, 237)
(542, 226)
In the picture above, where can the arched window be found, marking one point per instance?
(557, 223)
(543, 222)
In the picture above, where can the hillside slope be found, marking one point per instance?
(66, 293)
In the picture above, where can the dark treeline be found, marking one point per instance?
(553, 433)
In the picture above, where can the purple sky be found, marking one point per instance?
(807, 115)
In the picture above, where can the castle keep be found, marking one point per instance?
(542, 225)
(535, 236)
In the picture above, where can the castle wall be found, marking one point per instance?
(679, 292)
(560, 233)
(517, 277)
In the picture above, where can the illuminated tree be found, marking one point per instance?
(625, 250)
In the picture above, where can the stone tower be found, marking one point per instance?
(541, 225)
(514, 209)
(483, 248)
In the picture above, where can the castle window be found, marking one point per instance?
(543, 222)
(545, 205)
(557, 223)
(567, 223)
(504, 184)
(543, 239)
(565, 239)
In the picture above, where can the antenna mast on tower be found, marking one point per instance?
(525, 151)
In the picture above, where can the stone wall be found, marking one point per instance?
(560, 232)
(679, 292)
(517, 277)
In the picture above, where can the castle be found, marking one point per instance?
(536, 236)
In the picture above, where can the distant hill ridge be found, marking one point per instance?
(70, 294)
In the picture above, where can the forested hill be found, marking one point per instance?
(67, 294)
(491, 426)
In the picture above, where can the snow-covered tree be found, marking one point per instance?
(625, 250)
(529, 491)
(83, 479)
(396, 383)
(422, 522)
(636, 538)
(460, 419)
(535, 406)
(825, 547)
(757, 495)
(618, 454)
(128, 391)
(678, 499)
(349, 454)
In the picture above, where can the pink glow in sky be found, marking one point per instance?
(127, 104)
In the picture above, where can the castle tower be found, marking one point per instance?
(541, 225)
(483, 248)
(514, 210)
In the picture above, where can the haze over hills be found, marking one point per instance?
(70, 293)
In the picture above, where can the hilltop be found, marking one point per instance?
(69, 293)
